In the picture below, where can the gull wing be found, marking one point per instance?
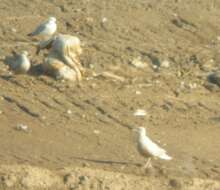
(153, 148)
(39, 29)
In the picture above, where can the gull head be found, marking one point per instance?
(52, 19)
(140, 130)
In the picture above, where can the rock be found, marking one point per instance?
(91, 66)
(96, 132)
(138, 63)
(65, 73)
(175, 183)
(155, 67)
(83, 178)
(165, 64)
(14, 30)
(63, 61)
(63, 8)
(137, 92)
(140, 113)
(85, 164)
(71, 180)
(22, 127)
(69, 111)
(208, 65)
(215, 78)
(211, 87)
(104, 19)
(192, 85)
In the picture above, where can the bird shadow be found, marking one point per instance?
(9, 60)
(106, 161)
(36, 70)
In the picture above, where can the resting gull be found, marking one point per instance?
(20, 63)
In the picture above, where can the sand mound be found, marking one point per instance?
(28, 177)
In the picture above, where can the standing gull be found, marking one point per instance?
(47, 28)
(148, 148)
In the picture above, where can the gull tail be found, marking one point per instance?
(166, 157)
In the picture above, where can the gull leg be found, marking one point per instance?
(148, 164)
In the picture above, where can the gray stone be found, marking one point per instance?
(215, 78)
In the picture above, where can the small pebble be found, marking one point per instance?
(83, 179)
(138, 63)
(69, 111)
(140, 112)
(96, 132)
(63, 8)
(137, 92)
(89, 19)
(157, 82)
(155, 67)
(182, 85)
(43, 117)
(165, 64)
(85, 164)
(192, 85)
(104, 19)
(179, 74)
(93, 85)
(14, 30)
(91, 66)
(175, 183)
(22, 127)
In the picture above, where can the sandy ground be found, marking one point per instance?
(86, 128)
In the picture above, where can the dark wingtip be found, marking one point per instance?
(30, 34)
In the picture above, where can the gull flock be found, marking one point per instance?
(68, 66)
(20, 63)
(62, 61)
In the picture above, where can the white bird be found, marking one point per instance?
(20, 63)
(148, 148)
(47, 28)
